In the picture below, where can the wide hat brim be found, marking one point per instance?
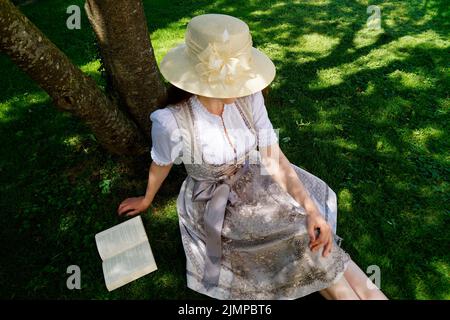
(178, 68)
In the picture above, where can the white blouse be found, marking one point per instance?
(167, 146)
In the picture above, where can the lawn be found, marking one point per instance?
(365, 110)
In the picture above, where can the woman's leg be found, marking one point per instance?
(361, 284)
(341, 290)
(325, 294)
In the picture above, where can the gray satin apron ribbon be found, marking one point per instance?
(216, 193)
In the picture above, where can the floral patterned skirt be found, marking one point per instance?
(265, 252)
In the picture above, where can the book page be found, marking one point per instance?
(120, 237)
(128, 266)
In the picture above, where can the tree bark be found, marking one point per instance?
(128, 57)
(69, 88)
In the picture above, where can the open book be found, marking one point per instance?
(125, 252)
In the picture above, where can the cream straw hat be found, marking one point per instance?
(217, 59)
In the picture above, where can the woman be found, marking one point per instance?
(253, 225)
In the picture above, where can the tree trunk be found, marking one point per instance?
(69, 88)
(128, 58)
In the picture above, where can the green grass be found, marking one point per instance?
(367, 111)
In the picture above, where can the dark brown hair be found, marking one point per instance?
(176, 95)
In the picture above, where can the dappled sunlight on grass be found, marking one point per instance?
(314, 45)
(364, 38)
(27, 100)
(423, 140)
(427, 286)
(345, 200)
(414, 13)
(345, 144)
(167, 280)
(92, 69)
(366, 111)
(421, 137)
(166, 39)
(377, 58)
(410, 80)
(275, 50)
(315, 3)
(443, 268)
(384, 146)
(167, 210)
(74, 141)
(394, 108)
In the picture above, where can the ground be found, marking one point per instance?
(365, 110)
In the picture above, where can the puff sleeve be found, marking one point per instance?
(264, 129)
(166, 138)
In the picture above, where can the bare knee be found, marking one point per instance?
(361, 284)
(341, 290)
(372, 293)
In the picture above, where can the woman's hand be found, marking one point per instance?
(133, 206)
(320, 234)
(282, 171)
(156, 175)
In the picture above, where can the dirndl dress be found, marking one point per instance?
(244, 237)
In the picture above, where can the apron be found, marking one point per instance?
(244, 236)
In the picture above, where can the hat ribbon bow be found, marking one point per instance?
(219, 64)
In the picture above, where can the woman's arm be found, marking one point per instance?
(156, 175)
(282, 172)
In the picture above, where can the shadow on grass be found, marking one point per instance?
(365, 111)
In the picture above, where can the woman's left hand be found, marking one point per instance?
(323, 238)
